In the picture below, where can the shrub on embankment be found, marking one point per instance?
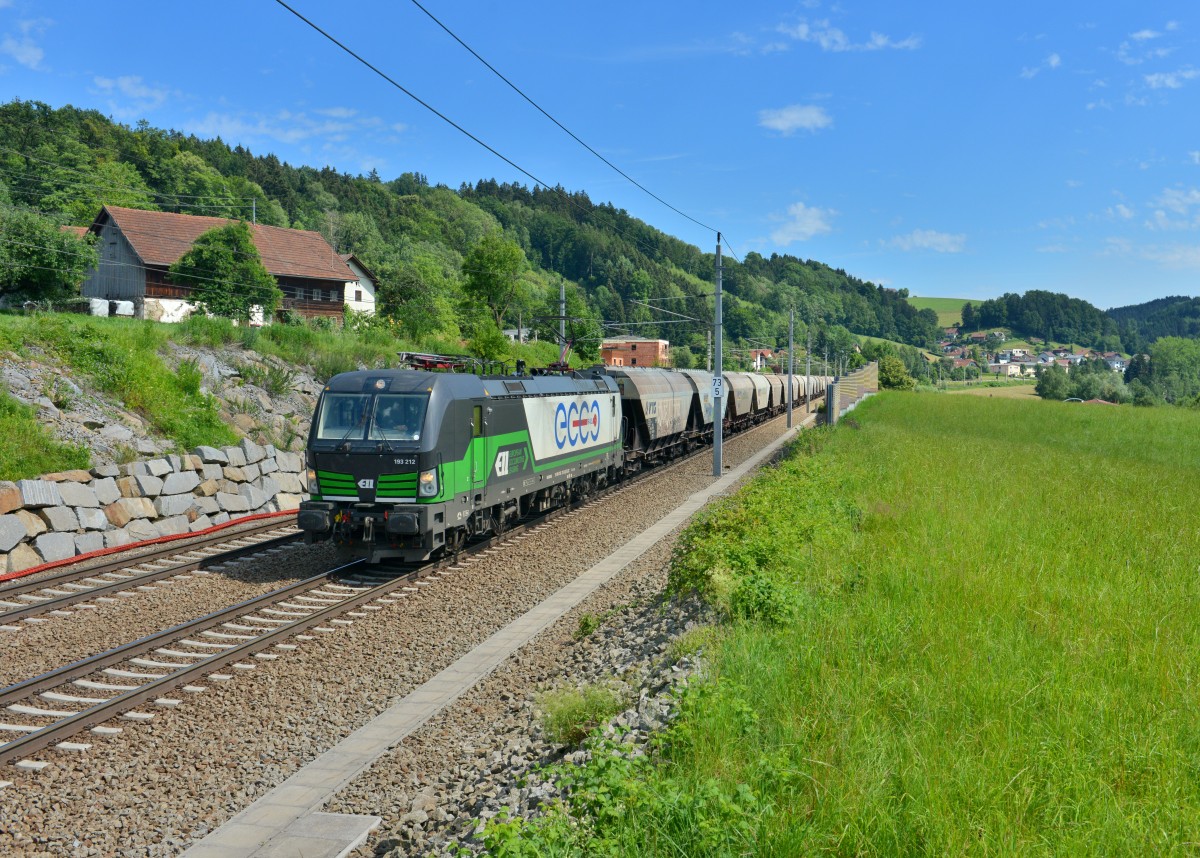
(996, 655)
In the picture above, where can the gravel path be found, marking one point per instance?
(153, 790)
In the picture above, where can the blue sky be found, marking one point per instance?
(953, 149)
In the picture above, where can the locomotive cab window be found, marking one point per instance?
(362, 416)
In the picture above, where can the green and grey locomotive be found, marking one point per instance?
(408, 464)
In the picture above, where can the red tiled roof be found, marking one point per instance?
(160, 238)
(80, 231)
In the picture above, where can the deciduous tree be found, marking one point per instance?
(226, 274)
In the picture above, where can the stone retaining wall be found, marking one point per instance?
(76, 512)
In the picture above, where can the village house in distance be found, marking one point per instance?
(635, 351)
(138, 247)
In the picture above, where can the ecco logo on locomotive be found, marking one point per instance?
(576, 423)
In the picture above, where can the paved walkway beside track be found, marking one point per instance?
(288, 820)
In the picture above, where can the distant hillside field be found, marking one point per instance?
(949, 310)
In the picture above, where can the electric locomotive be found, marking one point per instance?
(409, 464)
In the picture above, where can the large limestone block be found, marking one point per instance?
(21, 558)
(55, 546)
(287, 501)
(254, 496)
(211, 455)
(102, 471)
(149, 486)
(169, 505)
(92, 519)
(140, 486)
(159, 467)
(253, 452)
(117, 514)
(12, 532)
(237, 457)
(172, 526)
(178, 483)
(60, 518)
(36, 493)
(212, 471)
(234, 475)
(106, 490)
(269, 486)
(206, 489)
(10, 497)
(232, 502)
(287, 482)
(251, 472)
(34, 526)
(77, 476)
(86, 543)
(292, 462)
(208, 505)
(202, 522)
(77, 494)
(268, 466)
(141, 530)
(116, 537)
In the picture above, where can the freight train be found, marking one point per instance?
(411, 464)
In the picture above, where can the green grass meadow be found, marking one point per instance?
(957, 625)
(949, 310)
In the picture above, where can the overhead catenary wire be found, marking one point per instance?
(448, 120)
(565, 129)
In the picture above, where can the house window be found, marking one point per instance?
(358, 295)
(633, 348)
(633, 362)
(316, 294)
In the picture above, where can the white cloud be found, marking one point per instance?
(337, 112)
(1178, 200)
(788, 119)
(1195, 156)
(1171, 80)
(830, 38)
(1051, 62)
(928, 239)
(24, 49)
(1120, 210)
(1178, 256)
(805, 222)
(129, 96)
(1143, 35)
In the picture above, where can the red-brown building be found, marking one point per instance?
(137, 247)
(636, 351)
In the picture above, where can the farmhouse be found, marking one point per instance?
(360, 293)
(137, 247)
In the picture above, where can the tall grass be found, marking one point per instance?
(27, 450)
(990, 647)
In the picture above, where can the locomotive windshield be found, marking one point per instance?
(371, 417)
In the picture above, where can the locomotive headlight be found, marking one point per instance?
(427, 483)
(311, 479)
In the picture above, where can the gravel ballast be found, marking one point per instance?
(168, 782)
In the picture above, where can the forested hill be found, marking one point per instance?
(63, 164)
(1141, 324)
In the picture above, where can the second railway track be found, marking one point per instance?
(78, 585)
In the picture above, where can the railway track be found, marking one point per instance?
(49, 710)
(79, 587)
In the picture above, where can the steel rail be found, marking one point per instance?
(16, 749)
(45, 606)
